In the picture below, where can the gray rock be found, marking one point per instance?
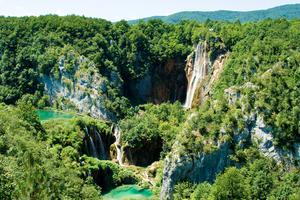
(296, 147)
(84, 88)
(262, 135)
(195, 168)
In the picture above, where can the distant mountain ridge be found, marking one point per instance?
(290, 11)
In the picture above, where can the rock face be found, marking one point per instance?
(142, 156)
(195, 168)
(263, 136)
(83, 87)
(167, 82)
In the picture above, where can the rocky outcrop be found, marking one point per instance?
(262, 135)
(195, 168)
(233, 94)
(82, 87)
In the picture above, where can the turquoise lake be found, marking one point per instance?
(49, 114)
(128, 192)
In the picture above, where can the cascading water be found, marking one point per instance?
(93, 147)
(101, 145)
(94, 144)
(198, 73)
(117, 134)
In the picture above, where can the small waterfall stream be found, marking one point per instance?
(94, 144)
(117, 134)
(101, 146)
(198, 73)
(93, 147)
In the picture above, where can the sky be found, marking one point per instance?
(115, 10)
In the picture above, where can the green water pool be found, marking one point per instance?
(128, 192)
(49, 114)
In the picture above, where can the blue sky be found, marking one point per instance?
(115, 10)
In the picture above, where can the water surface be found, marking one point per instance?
(50, 114)
(128, 192)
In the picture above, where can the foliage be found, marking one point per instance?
(33, 168)
(183, 191)
(260, 179)
(109, 174)
(153, 123)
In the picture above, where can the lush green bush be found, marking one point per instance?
(33, 168)
(152, 124)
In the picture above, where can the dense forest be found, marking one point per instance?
(109, 75)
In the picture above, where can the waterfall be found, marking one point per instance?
(101, 145)
(94, 151)
(86, 147)
(199, 71)
(117, 134)
(94, 144)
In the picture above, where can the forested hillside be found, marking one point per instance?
(285, 11)
(125, 90)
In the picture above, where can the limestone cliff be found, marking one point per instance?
(167, 82)
(196, 168)
(82, 87)
(262, 135)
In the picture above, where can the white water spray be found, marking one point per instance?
(117, 134)
(199, 71)
(101, 145)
